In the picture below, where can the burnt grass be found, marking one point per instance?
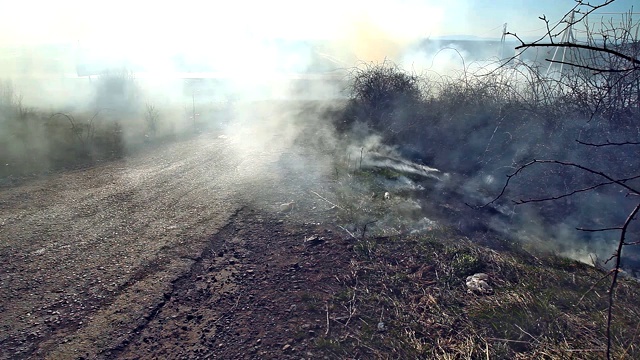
(272, 287)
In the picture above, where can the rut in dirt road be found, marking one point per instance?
(257, 292)
(88, 254)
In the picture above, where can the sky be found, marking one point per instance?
(232, 33)
(177, 23)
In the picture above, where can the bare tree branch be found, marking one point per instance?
(592, 68)
(599, 230)
(612, 88)
(620, 182)
(574, 192)
(632, 60)
(618, 257)
(608, 143)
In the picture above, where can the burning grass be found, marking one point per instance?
(404, 294)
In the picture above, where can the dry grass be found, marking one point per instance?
(414, 286)
(405, 297)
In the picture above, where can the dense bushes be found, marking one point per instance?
(483, 125)
(385, 97)
(478, 122)
(33, 142)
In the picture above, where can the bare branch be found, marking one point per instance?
(632, 60)
(594, 69)
(74, 128)
(618, 256)
(593, 286)
(608, 143)
(574, 192)
(599, 230)
(620, 182)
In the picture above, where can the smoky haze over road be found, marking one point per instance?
(87, 254)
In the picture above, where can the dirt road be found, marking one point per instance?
(88, 257)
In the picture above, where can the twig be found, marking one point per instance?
(593, 286)
(596, 71)
(362, 343)
(327, 331)
(557, 197)
(630, 59)
(364, 229)
(348, 232)
(600, 230)
(508, 340)
(531, 336)
(352, 307)
(608, 143)
(321, 197)
(620, 182)
(76, 131)
(230, 310)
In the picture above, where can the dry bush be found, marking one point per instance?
(118, 92)
(34, 142)
(385, 97)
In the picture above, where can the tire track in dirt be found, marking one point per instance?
(259, 291)
(87, 253)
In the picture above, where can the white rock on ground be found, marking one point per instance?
(478, 283)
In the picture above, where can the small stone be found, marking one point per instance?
(478, 283)
(287, 207)
(286, 347)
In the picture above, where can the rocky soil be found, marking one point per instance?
(157, 254)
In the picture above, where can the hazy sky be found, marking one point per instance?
(177, 23)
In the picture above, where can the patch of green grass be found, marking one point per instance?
(365, 248)
(466, 264)
(329, 344)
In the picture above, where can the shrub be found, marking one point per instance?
(385, 97)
